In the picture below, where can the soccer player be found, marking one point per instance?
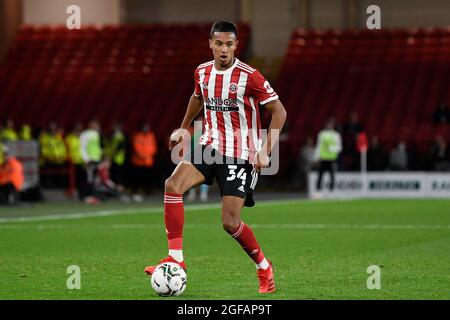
(230, 92)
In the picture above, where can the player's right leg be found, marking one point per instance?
(185, 176)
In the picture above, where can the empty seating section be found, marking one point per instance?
(394, 80)
(126, 74)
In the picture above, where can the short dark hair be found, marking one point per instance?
(223, 26)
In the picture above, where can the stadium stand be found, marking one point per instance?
(128, 74)
(394, 80)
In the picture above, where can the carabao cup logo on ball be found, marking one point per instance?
(169, 279)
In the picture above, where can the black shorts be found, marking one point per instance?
(235, 177)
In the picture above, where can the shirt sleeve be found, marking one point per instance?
(197, 89)
(261, 89)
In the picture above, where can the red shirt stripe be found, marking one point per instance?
(229, 109)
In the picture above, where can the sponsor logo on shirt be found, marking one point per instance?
(219, 104)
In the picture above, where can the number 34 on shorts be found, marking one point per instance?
(241, 178)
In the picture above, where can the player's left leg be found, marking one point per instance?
(232, 223)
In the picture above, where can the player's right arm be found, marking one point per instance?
(194, 107)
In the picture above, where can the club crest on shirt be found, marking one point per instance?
(233, 87)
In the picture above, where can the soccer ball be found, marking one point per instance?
(169, 279)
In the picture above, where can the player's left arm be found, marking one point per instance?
(278, 119)
(262, 91)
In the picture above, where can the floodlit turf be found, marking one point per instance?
(320, 250)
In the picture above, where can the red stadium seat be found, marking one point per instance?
(117, 73)
(394, 79)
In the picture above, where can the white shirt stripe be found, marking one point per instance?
(204, 137)
(211, 91)
(246, 65)
(242, 84)
(245, 68)
(275, 97)
(247, 107)
(229, 134)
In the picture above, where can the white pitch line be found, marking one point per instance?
(96, 214)
(256, 226)
(154, 210)
(353, 226)
(150, 210)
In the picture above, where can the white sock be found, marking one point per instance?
(263, 265)
(177, 255)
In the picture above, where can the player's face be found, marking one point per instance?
(223, 45)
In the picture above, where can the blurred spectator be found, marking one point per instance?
(398, 160)
(53, 157)
(116, 150)
(305, 163)
(441, 114)
(11, 178)
(91, 151)
(44, 146)
(350, 131)
(203, 189)
(440, 155)
(104, 187)
(75, 158)
(8, 133)
(59, 150)
(144, 149)
(329, 146)
(91, 145)
(25, 133)
(376, 156)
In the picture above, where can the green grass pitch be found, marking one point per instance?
(320, 250)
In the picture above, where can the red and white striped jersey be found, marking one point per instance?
(231, 103)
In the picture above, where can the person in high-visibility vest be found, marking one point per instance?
(44, 156)
(116, 150)
(53, 157)
(59, 151)
(144, 149)
(328, 148)
(91, 151)
(8, 133)
(2, 156)
(73, 144)
(75, 158)
(91, 146)
(53, 149)
(25, 133)
(11, 178)
(44, 145)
